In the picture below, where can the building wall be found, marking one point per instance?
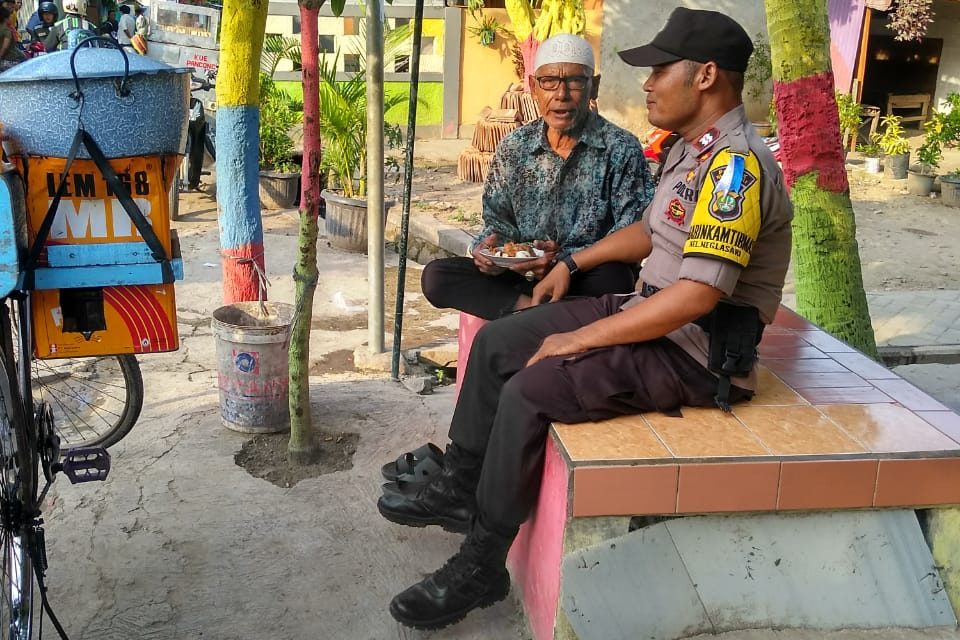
(946, 25)
(486, 72)
(629, 23)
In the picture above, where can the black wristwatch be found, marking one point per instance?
(571, 263)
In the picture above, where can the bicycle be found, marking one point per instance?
(29, 445)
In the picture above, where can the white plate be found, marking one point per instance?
(506, 261)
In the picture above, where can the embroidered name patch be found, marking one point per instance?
(726, 221)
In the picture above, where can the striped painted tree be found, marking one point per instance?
(242, 27)
(302, 447)
(826, 261)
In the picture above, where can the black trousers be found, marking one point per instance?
(196, 132)
(456, 283)
(505, 408)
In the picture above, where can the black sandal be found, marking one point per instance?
(415, 466)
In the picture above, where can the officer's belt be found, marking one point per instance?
(734, 332)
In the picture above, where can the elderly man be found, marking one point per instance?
(561, 182)
(717, 242)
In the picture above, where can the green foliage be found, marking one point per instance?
(870, 149)
(759, 68)
(277, 48)
(941, 130)
(892, 141)
(343, 118)
(850, 113)
(486, 31)
(343, 127)
(277, 117)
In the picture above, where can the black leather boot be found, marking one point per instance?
(476, 577)
(447, 500)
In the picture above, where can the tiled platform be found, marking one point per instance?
(828, 429)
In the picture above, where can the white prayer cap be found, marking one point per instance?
(564, 47)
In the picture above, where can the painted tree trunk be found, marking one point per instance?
(302, 448)
(242, 26)
(826, 260)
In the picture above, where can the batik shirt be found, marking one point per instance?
(531, 193)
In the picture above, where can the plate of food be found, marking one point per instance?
(511, 253)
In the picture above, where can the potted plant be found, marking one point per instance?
(279, 173)
(871, 156)
(895, 147)
(343, 129)
(851, 114)
(950, 188)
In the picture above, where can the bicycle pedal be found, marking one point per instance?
(86, 464)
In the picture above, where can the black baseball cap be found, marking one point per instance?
(701, 36)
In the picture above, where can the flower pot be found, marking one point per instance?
(896, 166)
(278, 190)
(950, 190)
(347, 221)
(764, 129)
(920, 184)
(871, 165)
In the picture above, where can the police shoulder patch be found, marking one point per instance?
(727, 218)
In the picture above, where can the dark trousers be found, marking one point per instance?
(505, 408)
(196, 132)
(456, 283)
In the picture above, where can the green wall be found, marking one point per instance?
(429, 109)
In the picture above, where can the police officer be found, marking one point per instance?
(717, 242)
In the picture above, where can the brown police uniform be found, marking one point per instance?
(720, 216)
(734, 236)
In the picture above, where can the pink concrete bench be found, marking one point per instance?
(829, 429)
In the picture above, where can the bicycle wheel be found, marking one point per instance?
(18, 487)
(95, 401)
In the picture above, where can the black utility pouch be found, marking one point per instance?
(734, 332)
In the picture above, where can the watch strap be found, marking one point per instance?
(571, 264)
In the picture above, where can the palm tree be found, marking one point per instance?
(829, 281)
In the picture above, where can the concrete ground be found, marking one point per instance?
(180, 543)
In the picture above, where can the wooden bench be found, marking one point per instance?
(919, 101)
(829, 431)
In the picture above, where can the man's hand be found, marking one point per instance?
(540, 266)
(558, 344)
(482, 262)
(553, 287)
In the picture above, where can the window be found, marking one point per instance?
(427, 45)
(401, 64)
(328, 44)
(296, 24)
(400, 22)
(351, 26)
(351, 63)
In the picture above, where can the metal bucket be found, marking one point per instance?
(252, 365)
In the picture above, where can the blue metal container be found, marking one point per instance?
(131, 105)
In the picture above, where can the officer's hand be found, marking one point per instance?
(553, 287)
(558, 344)
(482, 262)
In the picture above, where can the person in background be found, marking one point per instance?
(73, 29)
(126, 27)
(716, 238)
(10, 53)
(560, 183)
(47, 14)
(142, 22)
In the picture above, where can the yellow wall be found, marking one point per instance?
(486, 72)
